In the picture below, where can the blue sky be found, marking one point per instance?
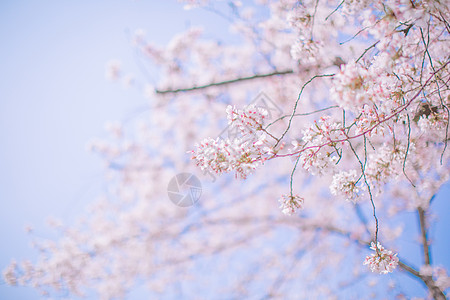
(54, 98)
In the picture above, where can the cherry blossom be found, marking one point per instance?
(289, 204)
(363, 90)
(383, 261)
(345, 184)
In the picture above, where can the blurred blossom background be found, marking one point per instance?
(56, 96)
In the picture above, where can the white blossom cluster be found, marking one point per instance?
(350, 86)
(382, 261)
(386, 163)
(322, 141)
(307, 50)
(244, 153)
(223, 156)
(248, 120)
(344, 185)
(433, 122)
(379, 61)
(289, 204)
(369, 122)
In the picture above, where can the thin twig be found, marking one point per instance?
(361, 30)
(313, 18)
(427, 44)
(367, 49)
(302, 114)
(407, 150)
(370, 193)
(326, 19)
(296, 103)
(292, 175)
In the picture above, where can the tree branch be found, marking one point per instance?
(423, 231)
(435, 291)
(194, 88)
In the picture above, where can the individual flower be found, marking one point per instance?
(289, 204)
(382, 261)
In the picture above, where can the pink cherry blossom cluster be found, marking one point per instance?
(382, 261)
(306, 50)
(249, 120)
(243, 153)
(350, 85)
(387, 163)
(432, 120)
(375, 77)
(438, 273)
(369, 121)
(322, 142)
(289, 204)
(344, 185)
(223, 156)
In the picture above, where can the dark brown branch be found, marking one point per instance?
(423, 231)
(409, 269)
(427, 280)
(194, 88)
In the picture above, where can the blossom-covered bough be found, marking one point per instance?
(364, 87)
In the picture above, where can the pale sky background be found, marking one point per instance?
(54, 98)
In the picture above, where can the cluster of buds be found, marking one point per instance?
(430, 119)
